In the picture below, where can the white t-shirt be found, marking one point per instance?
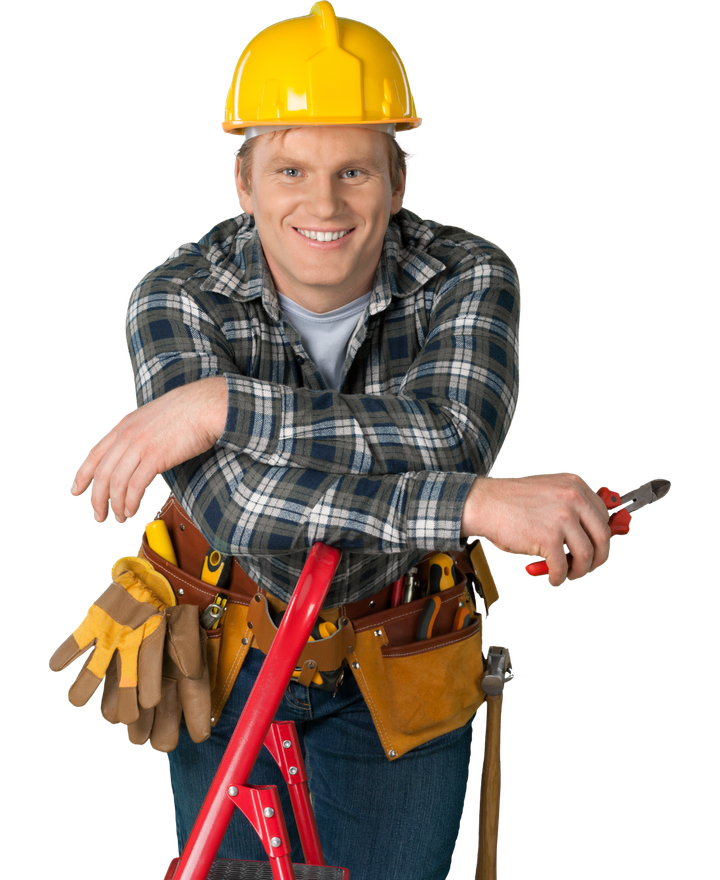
(325, 337)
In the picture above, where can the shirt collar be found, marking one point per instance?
(238, 268)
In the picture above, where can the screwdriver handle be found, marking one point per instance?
(619, 525)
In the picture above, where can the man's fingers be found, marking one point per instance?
(587, 539)
(557, 566)
(119, 475)
(144, 474)
(86, 471)
(123, 474)
(105, 473)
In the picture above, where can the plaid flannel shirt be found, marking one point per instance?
(380, 469)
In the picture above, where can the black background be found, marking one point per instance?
(138, 164)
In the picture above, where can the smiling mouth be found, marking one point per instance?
(319, 235)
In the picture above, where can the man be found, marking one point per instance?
(329, 367)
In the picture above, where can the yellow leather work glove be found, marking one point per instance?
(185, 687)
(129, 622)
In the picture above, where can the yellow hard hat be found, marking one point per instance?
(319, 70)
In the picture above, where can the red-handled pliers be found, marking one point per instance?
(620, 521)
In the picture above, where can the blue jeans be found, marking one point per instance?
(392, 819)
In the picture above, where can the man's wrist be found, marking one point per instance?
(471, 522)
(215, 397)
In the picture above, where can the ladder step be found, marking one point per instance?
(234, 869)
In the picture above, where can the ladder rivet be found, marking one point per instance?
(292, 770)
(286, 744)
(275, 841)
(232, 791)
(268, 812)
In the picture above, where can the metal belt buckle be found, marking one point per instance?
(331, 680)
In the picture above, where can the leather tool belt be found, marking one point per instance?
(415, 690)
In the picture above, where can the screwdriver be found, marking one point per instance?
(160, 542)
(442, 573)
(216, 569)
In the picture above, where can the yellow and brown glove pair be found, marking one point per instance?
(150, 651)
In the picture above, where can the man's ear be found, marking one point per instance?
(398, 194)
(243, 193)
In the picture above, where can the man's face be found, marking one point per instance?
(331, 180)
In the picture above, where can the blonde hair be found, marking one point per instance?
(396, 155)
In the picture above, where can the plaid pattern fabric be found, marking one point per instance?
(380, 469)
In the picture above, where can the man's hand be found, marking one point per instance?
(154, 438)
(537, 516)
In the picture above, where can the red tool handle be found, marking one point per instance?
(619, 525)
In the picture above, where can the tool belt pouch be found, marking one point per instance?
(227, 646)
(418, 690)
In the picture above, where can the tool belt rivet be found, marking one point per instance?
(392, 753)
(181, 592)
(244, 641)
(356, 665)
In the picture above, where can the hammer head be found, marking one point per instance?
(498, 670)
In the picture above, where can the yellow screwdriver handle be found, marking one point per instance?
(160, 542)
(441, 573)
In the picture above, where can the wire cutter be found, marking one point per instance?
(620, 520)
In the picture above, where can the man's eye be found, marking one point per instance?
(291, 172)
(352, 173)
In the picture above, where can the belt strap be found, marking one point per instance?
(327, 654)
(190, 547)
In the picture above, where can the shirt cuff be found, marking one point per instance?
(254, 414)
(434, 509)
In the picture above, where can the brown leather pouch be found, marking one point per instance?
(418, 690)
(227, 646)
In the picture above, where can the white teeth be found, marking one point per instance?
(323, 236)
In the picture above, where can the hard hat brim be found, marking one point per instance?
(238, 126)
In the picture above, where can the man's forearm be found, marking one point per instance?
(369, 433)
(245, 508)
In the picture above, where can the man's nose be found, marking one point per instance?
(324, 199)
